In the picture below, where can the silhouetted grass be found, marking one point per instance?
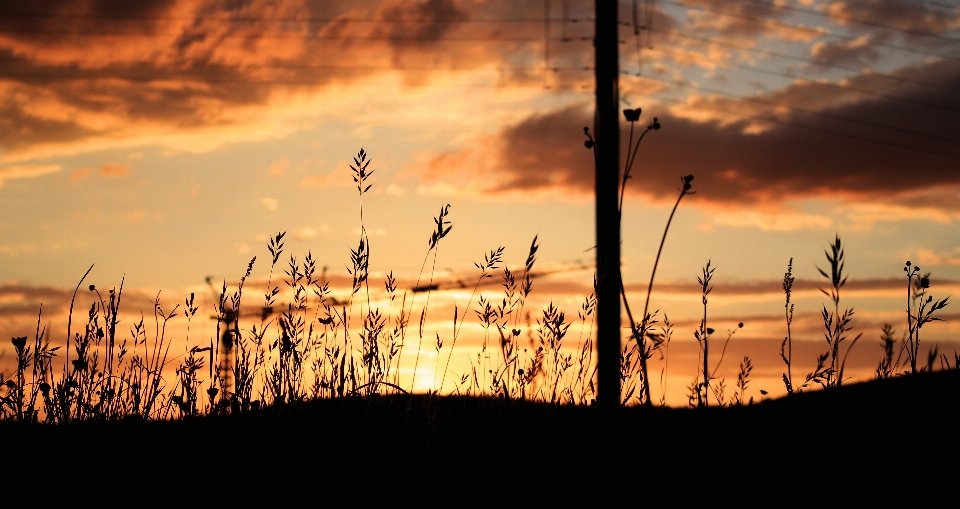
(313, 364)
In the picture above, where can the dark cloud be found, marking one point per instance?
(20, 129)
(420, 25)
(828, 155)
(69, 19)
(20, 301)
(857, 52)
(857, 32)
(734, 18)
(25, 301)
(537, 164)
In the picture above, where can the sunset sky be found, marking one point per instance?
(166, 141)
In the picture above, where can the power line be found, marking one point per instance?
(819, 83)
(285, 81)
(478, 38)
(281, 35)
(801, 28)
(933, 4)
(775, 54)
(814, 12)
(774, 120)
(127, 73)
(197, 76)
(826, 115)
(324, 67)
(275, 19)
(546, 20)
(546, 40)
(670, 33)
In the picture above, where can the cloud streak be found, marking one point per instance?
(26, 171)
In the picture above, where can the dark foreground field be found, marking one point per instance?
(899, 414)
(886, 438)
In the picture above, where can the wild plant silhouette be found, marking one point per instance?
(315, 347)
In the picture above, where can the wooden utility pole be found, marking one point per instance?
(607, 216)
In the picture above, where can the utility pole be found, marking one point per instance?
(607, 215)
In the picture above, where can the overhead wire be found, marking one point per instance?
(827, 84)
(874, 24)
(708, 41)
(751, 49)
(649, 9)
(816, 31)
(290, 81)
(636, 36)
(269, 36)
(274, 19)
(820, 114)
(546, 20)
(934, 4)
(546, 41)
(484, 38)
(773, 120)
(98, 73)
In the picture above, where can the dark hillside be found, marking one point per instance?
(916, 411)
(851, 441)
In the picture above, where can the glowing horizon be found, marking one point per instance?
(167, 141)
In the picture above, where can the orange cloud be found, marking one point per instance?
(342, 176)
(270, 203)
(114, 170)
(278, 168)
(915, 17)
(732, 19)
(26, 171)
(860, 51)
(79, 174)
(17, 249)
(134, 215)
(395, 190)
(773, 221)
(936, 258)
(539, 155)
(87, 75)
(305, 233)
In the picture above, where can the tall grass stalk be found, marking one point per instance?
(887, 367)
(719, 390)
(916, 292)
(703, 335)
(443, 227)
(488, 315)
(640, 331)
(786, 347)
(73, 299)
(836, 324)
